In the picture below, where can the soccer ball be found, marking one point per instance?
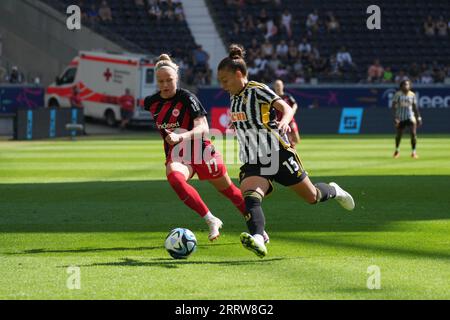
(180, 243)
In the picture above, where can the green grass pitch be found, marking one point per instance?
(103, 205)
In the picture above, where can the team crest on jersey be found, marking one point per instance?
(238, 116)
(176, 112)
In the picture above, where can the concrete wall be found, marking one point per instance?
(36, 39)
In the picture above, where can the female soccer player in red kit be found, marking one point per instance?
(182, 123)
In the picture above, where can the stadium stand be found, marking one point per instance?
(400, 42)
(136, 27)
(154, 26)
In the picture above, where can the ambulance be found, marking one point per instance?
(102, 78)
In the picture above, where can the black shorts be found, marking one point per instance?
(125, 114)
(290, 170)
(406, 123)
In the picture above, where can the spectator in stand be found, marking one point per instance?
(441, 27)
(169, 14)
(92, 14)
(83, 9)
(304, 47)
(262, 19)
(272, 29)
(252, 71)
(126, 103)
(249, 24)
(261, 62)
(312, 21)
(281, 72)
(414, 72)
(105, 13)
(254, 49)
(388, 76)
(155, 12)
(299, 78)
(293, 53)
(267, 48)
(179, 12)
(332, 23)
(274, 62)
(139, 3)
(15, 76)
(314, 54)
(200, 58)
(426, 77)
(334, 69)
(375, 72)
(282, 50)
(286, 22)
(344, 59)
(401, 76)
(319, 65)
(429, 26)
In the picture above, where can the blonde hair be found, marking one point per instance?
(165, 61)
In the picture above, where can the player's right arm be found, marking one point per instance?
(395, 104)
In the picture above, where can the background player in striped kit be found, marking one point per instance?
(406, 114)
(180, 117)
(251, 104)
(293, 135)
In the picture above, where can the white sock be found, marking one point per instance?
(208, 216)
(259, 238)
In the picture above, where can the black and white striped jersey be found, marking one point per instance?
(255, 124)
(403, 104)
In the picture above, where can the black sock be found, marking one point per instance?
(324, 191)
(398, 139)
(413, 142)
(254, 214)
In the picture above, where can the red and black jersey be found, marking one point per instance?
(177, 112)
(289, 99)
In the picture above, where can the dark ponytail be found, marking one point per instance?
(235, 60)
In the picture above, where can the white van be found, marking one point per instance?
(102, 78)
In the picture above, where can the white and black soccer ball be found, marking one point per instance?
(180, 243)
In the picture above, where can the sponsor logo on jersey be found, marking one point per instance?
(168, 125)
(238, 116)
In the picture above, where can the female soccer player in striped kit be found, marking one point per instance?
(406, 114)
(181, 120)
(263, 144)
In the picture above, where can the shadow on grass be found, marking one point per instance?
(88, 250)
(152, 206)
(367, 247)
(171, 263)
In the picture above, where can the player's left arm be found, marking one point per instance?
(416, 111)
(288, 114)
(293, 104)
(200, 128)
